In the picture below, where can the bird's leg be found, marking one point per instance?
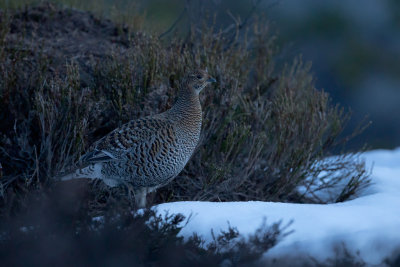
(140, 197)
(130, 189)
(139, 194)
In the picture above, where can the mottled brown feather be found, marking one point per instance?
(150, 151)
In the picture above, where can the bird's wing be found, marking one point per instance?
(134, 135)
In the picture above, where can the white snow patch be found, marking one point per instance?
(369, 224)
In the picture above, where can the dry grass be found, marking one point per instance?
(264, 127)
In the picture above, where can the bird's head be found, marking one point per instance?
(199, 79)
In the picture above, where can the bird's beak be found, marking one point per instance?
(211, 80)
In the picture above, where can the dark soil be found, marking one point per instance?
(63, 35)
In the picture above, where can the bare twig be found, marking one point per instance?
(238, 26)
(180, 17)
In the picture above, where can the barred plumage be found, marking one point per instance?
(149, 152)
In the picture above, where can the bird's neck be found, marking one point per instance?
(187, 104)
(187, 111)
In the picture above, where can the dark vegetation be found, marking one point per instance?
(53, 232)
(67, 78)
(342, 257)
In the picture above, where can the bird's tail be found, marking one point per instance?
(92, 171)
(66, 176)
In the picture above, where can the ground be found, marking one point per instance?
(62, 35)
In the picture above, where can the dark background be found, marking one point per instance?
(355, 50)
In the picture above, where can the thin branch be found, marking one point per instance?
(241, 25)
(180, 17)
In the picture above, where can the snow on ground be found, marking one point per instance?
(369, 224)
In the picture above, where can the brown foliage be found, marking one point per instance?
(264, 131)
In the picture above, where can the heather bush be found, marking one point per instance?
(56, 229)
(342, 256)
(265, 127)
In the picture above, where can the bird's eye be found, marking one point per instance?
(198, 77)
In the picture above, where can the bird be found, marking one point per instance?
(147, 153)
